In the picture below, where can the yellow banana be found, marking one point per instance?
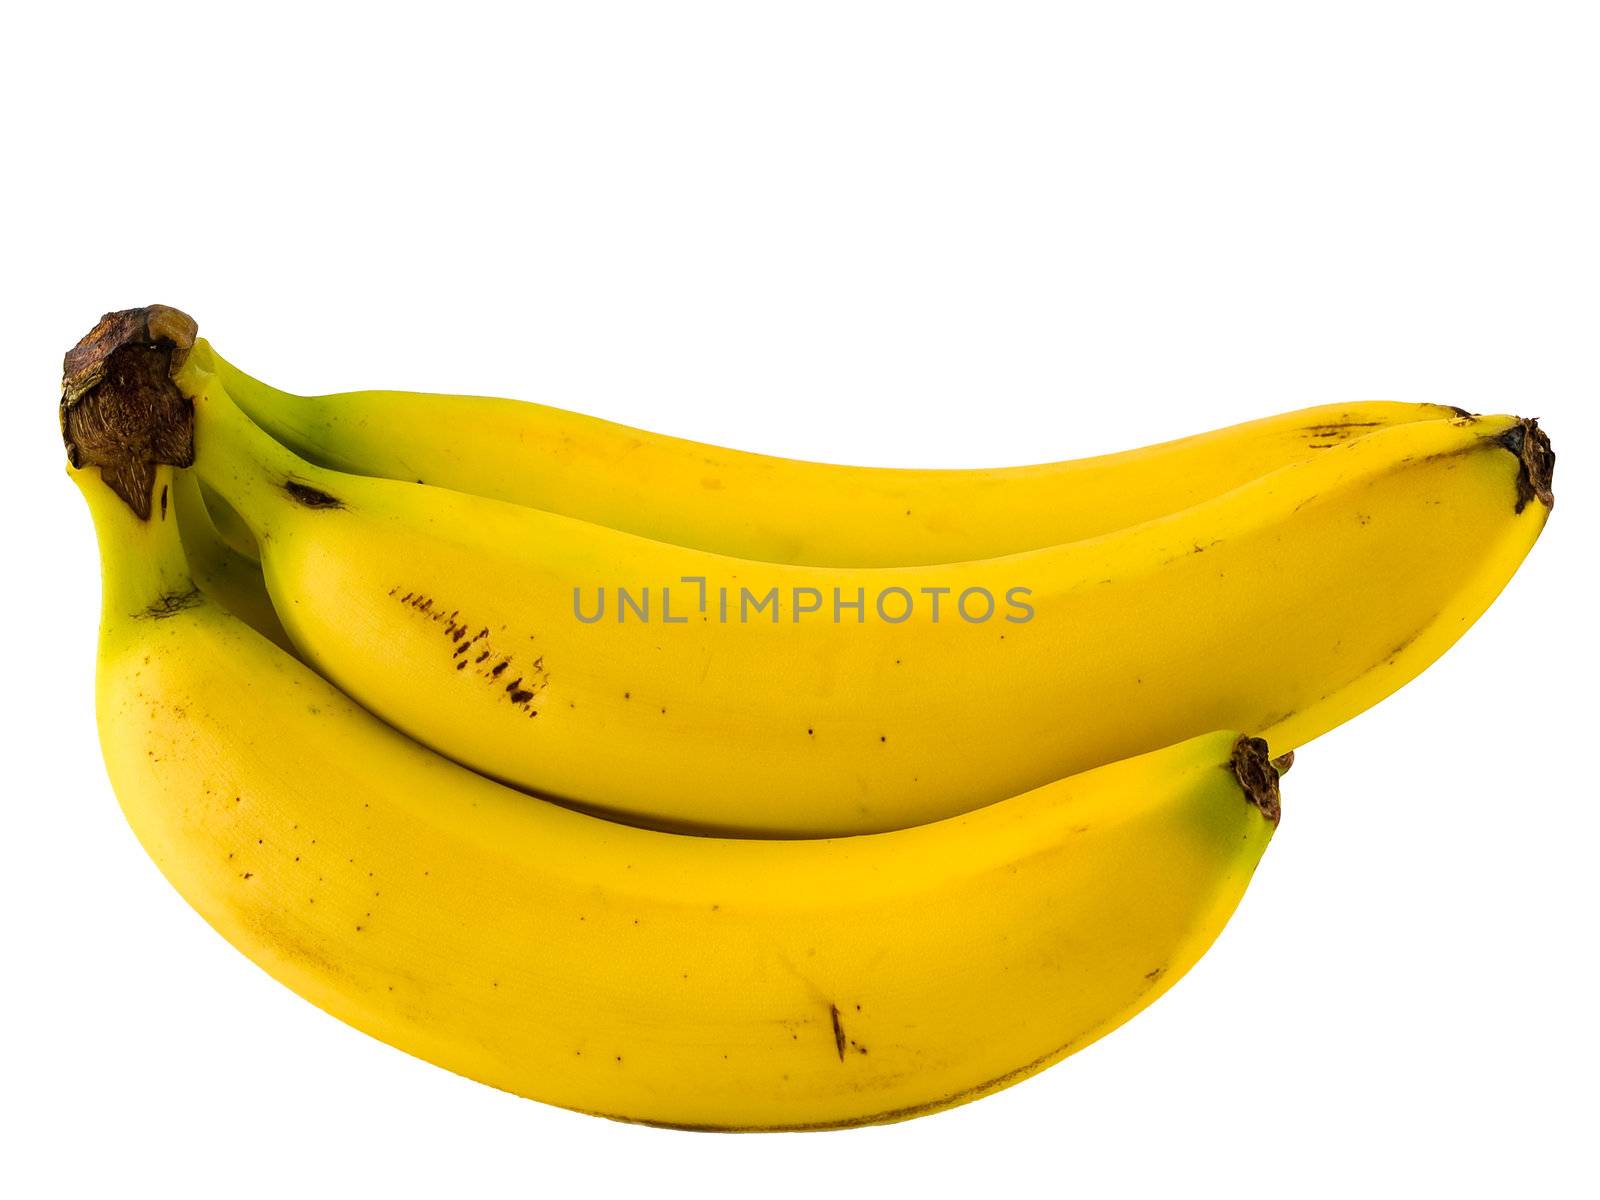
(642, 975)
(723, 694)
(230, 530)
(224, 575)
(775, 509)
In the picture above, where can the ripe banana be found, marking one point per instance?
(469, 623)
(641, 975)
(773, 509)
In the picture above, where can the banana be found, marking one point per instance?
(575, 661)
(743, 705)
(224, 575)
(774, 509)
(233, 532)
(645, 976)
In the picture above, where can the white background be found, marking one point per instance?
(903, 234)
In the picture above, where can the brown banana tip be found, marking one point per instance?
(120, 409)
(1537, 472)
(1257, 773)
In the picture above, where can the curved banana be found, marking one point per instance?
(683, 689)
(640, 975)
(775, 509)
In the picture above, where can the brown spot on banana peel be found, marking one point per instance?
(1326, 428)
(1401, 647)
(1333, 428)
(120, 409)
(1252, 766)
(170, 604)
(838, 1030)
(522, 690)
(310, 497)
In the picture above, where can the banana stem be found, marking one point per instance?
(256, 475)
(290, 419)
(143, 572)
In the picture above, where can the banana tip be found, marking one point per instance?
(1257, 772)
(1537, 472)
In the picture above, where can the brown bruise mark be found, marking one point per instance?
(1337, 428)
(1401, 647)
(474, 651)
(309, 497)
(170, 604)
(838, 1030)
(284, 935)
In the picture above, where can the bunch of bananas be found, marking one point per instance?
(696, 787)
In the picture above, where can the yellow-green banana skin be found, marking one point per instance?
(226, 576)
(453, 618)
(647, 976)
(776, 509)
